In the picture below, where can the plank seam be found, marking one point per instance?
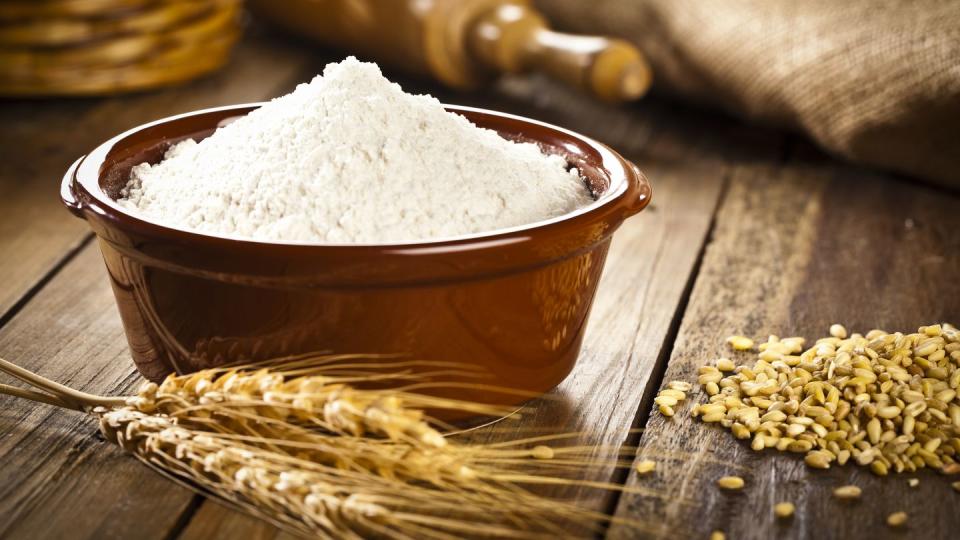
(185, 517)
(785, 152)
(24, 299)
(666, 351)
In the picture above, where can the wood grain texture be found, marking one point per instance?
(651, 260)
(214, 521)
(797, 247)
(39, 140)
(59, 478)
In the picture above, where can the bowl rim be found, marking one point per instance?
(629, 192)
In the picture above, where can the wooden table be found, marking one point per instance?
(751, 231)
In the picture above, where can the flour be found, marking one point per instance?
(351, 158)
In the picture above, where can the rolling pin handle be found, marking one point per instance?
(513, 38)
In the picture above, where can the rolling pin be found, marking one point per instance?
(465, 43)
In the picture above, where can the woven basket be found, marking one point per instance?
(78, 47)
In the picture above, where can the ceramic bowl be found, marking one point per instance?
(514, 302)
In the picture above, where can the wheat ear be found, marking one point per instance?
(315, 499)
(298, 414)
(274, 459)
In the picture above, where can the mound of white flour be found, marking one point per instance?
(351, 158)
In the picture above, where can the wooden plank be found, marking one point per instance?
(646, 274)
(58, 479)
(41, 138)
(213, 521)
(796, 248)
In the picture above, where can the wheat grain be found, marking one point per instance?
(887, 401)
(646, 466)
(847, 492)
(740, 343)
(784, 510)
(730, 483)
(897, 519)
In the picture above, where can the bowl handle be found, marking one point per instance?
(66, 190)
(643, 192)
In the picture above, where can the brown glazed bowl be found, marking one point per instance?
(514, 301)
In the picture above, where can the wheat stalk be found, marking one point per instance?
(313, 498)
(326, 402)
(298, 444)
(320, 417)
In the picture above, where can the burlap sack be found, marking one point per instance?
(876, 81)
